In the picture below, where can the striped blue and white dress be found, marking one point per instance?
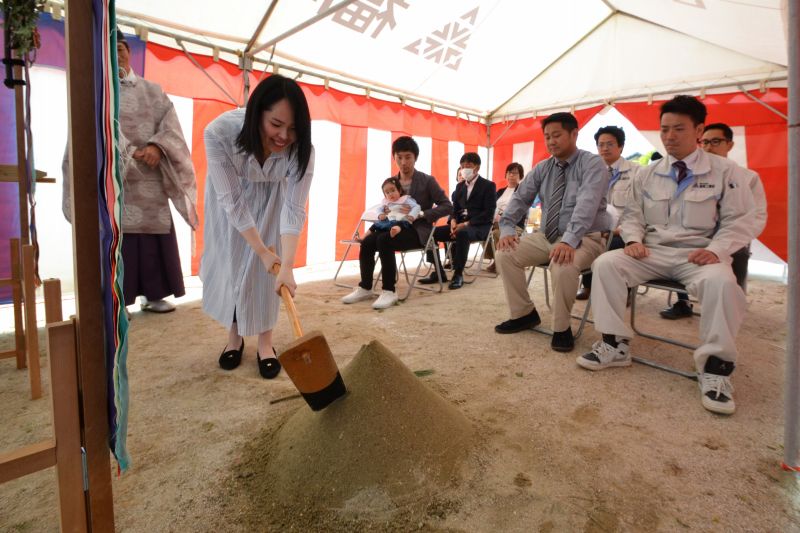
(241, 194)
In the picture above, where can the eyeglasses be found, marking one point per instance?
(609, 144)
(716, 141)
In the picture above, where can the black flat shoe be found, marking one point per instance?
(457, 283)
(431, 279)
(563, 341)
(515, 325)
(231, 359)
(269, 367)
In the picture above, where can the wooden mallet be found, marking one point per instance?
(308, 360)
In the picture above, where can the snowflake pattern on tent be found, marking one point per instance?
(447, 45)
(359, 16)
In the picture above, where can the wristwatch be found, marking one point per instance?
(421, 214)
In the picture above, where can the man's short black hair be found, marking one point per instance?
(405, 144)
(686, 105)
(567, 121)
(471, 157)
(726, 130)
(616, 131)
(121, 38)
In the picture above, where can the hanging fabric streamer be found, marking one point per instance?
(110, 198)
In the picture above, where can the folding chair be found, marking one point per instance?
(672, 287)
(367, 218)
(479, 257)
(411, 281)
(665, 285)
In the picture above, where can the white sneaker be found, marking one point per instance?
(717, 393)
(385, 300)
(358, 295)
(604, 355)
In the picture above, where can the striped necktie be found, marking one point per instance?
(681, 169)
(556, 199)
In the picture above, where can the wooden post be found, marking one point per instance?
(19, 101)
(66, 423)
(79, 43)
(16, 296)
(31, 330)
(52, 301)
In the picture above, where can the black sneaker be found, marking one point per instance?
(680, 309)
(563, 341)
(515, 325)
(716, 389)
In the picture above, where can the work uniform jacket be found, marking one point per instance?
(619, 186)
(710, 209)
(752, 181)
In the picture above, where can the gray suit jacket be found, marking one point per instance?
(426, 191)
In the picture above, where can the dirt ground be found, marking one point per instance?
(557, 448)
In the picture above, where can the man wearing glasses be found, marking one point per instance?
(718, 140)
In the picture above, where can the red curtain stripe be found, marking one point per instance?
(352, 183)
(204, 112)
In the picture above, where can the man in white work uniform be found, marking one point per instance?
(718, 140)
(686, 215)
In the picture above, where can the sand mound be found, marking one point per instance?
(390, 443)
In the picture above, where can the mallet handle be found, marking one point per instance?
(291, 310)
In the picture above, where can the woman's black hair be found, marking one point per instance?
(516, 167)
(266, 94)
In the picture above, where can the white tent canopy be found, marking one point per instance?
(495, 57)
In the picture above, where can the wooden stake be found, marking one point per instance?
(66, 423)
(16, 296)
(52, 301)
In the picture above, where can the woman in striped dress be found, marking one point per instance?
(260, 166)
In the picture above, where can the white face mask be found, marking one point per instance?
(468, 174)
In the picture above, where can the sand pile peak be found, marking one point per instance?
(390, 441)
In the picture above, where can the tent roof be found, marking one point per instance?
(499, 57)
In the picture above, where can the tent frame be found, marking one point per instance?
(792, 382)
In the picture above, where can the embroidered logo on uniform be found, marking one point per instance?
(703, 186)
(732, 185)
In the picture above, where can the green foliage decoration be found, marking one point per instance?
(20, 18)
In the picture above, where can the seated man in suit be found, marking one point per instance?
(572, 186)
(684, 218)
(474, 203)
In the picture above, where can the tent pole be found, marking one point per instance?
(333, 9)
(257, 33)
(521, 113)
(761, 102)
(792, 406)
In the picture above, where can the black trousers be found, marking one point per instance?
(460, 247)
(386, 245)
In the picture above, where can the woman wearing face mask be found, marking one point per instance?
(514, 175)
(260, 166)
